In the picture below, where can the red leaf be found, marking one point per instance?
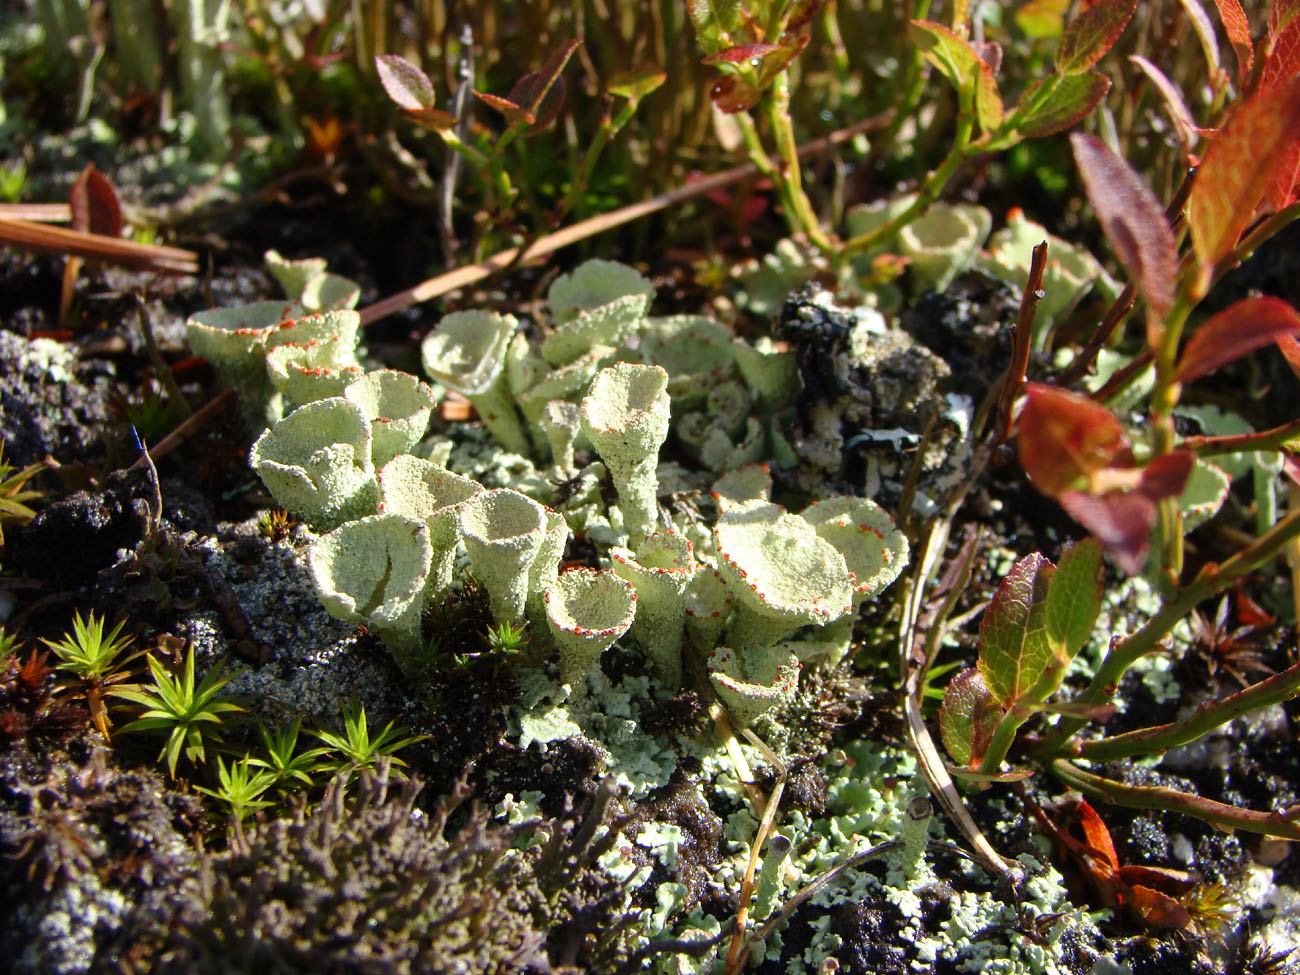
(516, 115)
(1121, 521)
(741, 54)
(1290, 347)
(406, 84)
(547, 109)
(1095, 833)
(1237, 28)
(1091, 35)
(1238, 330)
(434, 119)
(94, 205)
(1133, 220)
(734, 94)
(1064, 437)
(1165, 477)
(1238, 167)
(1072, 97)
(1157, 909)
(1283, 62)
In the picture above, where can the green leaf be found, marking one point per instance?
(637, 83)
(957, 61)
(1091, 34)
(967, 718)
(1014, 644)
(1067, 100)
(716, 22)
(1073, 601)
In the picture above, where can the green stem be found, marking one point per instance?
(1003, 735)
(927, 194)
(1164, 397)
(790, 173)
(1217, 814)
(1211, 580)
(1210, 715)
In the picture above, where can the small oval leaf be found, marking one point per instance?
(1237, 27)
(405, 84)
(515, 115)
(741, 54)
(967, 718)
(1014, 649)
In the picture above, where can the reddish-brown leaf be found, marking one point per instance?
(1165, 477)
(546, 109)
(1121, 521)
(1283, 62)
(1290, 347)
(1238, 330)
(1072, 97)
(1064, 438)
(93, 203)
(1155, 908)
(740, 54)
(434, 119)
(406, 84)
(1095, 833)
(1238, 167)
(1237, 27)
(516, 115)
(734, 94)
(1091, 34)
(1133, 221)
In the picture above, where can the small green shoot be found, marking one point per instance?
(356, 750)
(507, 638)
(181, 708)
(283, 761)
(242, 786)
(93, 657)
(9, 645)
(14, 493)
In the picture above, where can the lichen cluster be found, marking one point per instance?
(755, 589)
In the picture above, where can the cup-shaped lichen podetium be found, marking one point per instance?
(234, 340)
(625, 416)
(659, 570)
(784, 575)
(303, 372)
(398, 407)
(874, 550)
(941, 243)
(546, 565)
(586, 611)
(755, 682)
(503, 532)
(375, 571)
(316, 463)
(466, 353)
(430, 493)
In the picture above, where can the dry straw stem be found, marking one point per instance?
(471, 273)
(63, 242)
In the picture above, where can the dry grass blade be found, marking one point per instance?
(63, 242)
